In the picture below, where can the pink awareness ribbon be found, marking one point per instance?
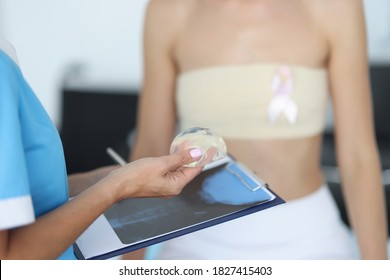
(282, 103)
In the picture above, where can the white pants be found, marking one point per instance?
(305, 228)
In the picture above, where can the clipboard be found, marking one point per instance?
(223, 191)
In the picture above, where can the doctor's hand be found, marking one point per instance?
(162, 176)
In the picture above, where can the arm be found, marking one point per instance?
(55, 231)
(355, 137)
(156, 119)
(79, 182)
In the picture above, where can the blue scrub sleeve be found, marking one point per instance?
(16, 207)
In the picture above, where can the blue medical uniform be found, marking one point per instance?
(33, 178)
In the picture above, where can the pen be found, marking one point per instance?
(114, 155)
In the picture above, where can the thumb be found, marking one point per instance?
(183, 157)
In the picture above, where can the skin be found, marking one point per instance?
(55, 231)
(182, 36)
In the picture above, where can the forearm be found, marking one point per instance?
(79, 182)
(139, 151)
(52, 233)
(364, 195)
(56, 230)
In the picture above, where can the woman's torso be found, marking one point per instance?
(240, 33)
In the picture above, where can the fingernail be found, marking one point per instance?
(196, 153)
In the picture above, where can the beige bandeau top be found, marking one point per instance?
(254, 101)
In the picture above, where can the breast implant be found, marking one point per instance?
(213, 147)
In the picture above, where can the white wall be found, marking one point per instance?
(49, 35)
(378, 27)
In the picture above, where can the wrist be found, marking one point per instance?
(117, 186)
(109, 190)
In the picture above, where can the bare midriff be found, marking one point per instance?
(291, 167)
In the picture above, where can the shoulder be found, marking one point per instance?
(8, 67)
(342, 23)
(8, 49)
(337, 17)
(9, 64)
(10, 79)
(338, 10)
(164, 20)
(168, 12)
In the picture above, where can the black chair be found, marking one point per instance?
(92, 120)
